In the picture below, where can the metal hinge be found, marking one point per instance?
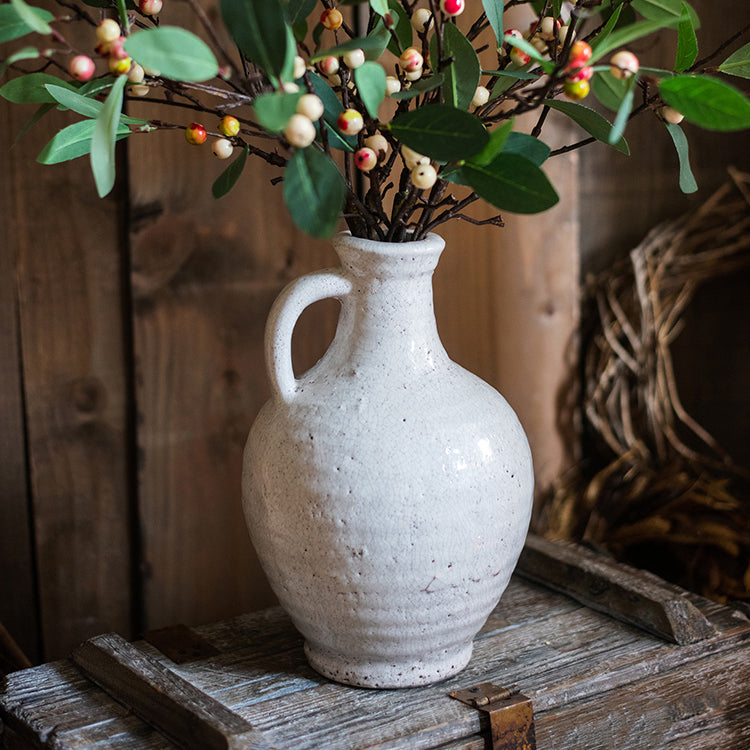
(511, 714)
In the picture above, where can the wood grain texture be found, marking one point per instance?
(18, 603)
(70, 313)
(596, 684)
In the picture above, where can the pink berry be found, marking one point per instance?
(519, 57)
(81, 68)
(328, 66)
(150, 7)
(365, 159)
(623, 64)
(452, 7)
(411, 60)
(117, 48)
(580, 54)
(195, 134)
(350, 122)
(582, 74)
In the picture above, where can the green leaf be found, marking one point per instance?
(104, 138)
(227, 179)
(657, 10)
(34, 18)
(495, 145)
(610, 91)
(379, 40)
(370, 81)
(422, 86)
(367, 44)
(83, 105)
(687, 180)
(519, 75)
(609, 27)
(379, 6)
(592, 122)
(629, 34)
(738, 63)
(525, 145)
(621, 119)
(174, 52)
(687, 42)
(494, 10)
(27, 53)
(314, 192)
(297, 11)
(547, 65)
(441, 132)
(402, 27)
(462, 75)
(31, 88)
(260, 32)
(12, 26)
(274, 110)
(707, 102)
(512, 183)
(332, 109)
(72, 142)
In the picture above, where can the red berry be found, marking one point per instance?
(580, 53)
(195, 134)
(350, 122)
(150, 7)
(229, 125)
(452, 7)
(81, 67)
(582, 74)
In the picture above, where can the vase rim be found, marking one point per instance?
(431, 243)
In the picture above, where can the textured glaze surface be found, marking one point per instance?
(387, 490)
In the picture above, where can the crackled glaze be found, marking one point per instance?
(387, 490)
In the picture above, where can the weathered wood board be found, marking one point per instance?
(596, 684)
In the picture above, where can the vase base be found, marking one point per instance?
(382, 674)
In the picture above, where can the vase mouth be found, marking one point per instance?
(377, 258)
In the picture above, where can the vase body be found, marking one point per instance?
(387, 490)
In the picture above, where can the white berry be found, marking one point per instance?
(423, 176)
(413, 159)
(139, 90)
(136, 74)
(222, 148)
(311, 106)
(392, 85)
(623, 64)
(108, 30)
(562, 34)
(481, 96)
(354, 58)
(420, 19)
(671, 115)
(378, 144)
(300, 131)
(413, 75)
(299, 67)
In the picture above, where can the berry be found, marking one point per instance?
(120, 66)
(548, 27)
(365, 159)
(392, 85)
(311, 106)
(138, 90)
(354, 59)
(350, 122)
(481, 96)
(195, 134)
(331, 19)
(222, 148)
(562, 34)
(452, 7)
(117, 48)
(81, 67)
(289, 87)
(515, 33)
(299, 131)
(136, 74)
(576, 89)
(623, 64)
(411, 60)
(519, 57)
(413, 75)
(229, 125)
(423, 176)
(107, 31)
(378, 144)
(421, 20)
(580, 54)
(329, 65)
(413, 159)
(582, 74)
(671, 115)
(299, 67)
(150, 7)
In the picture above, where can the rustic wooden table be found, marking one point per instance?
(594, 681)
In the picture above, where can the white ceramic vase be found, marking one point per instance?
(387, 490)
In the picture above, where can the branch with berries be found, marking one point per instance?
(397, 115)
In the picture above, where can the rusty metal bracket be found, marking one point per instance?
(511, 714)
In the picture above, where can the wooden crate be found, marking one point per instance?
(594, 681)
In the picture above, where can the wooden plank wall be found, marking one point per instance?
(132, 369)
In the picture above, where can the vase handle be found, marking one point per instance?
(285, 312)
